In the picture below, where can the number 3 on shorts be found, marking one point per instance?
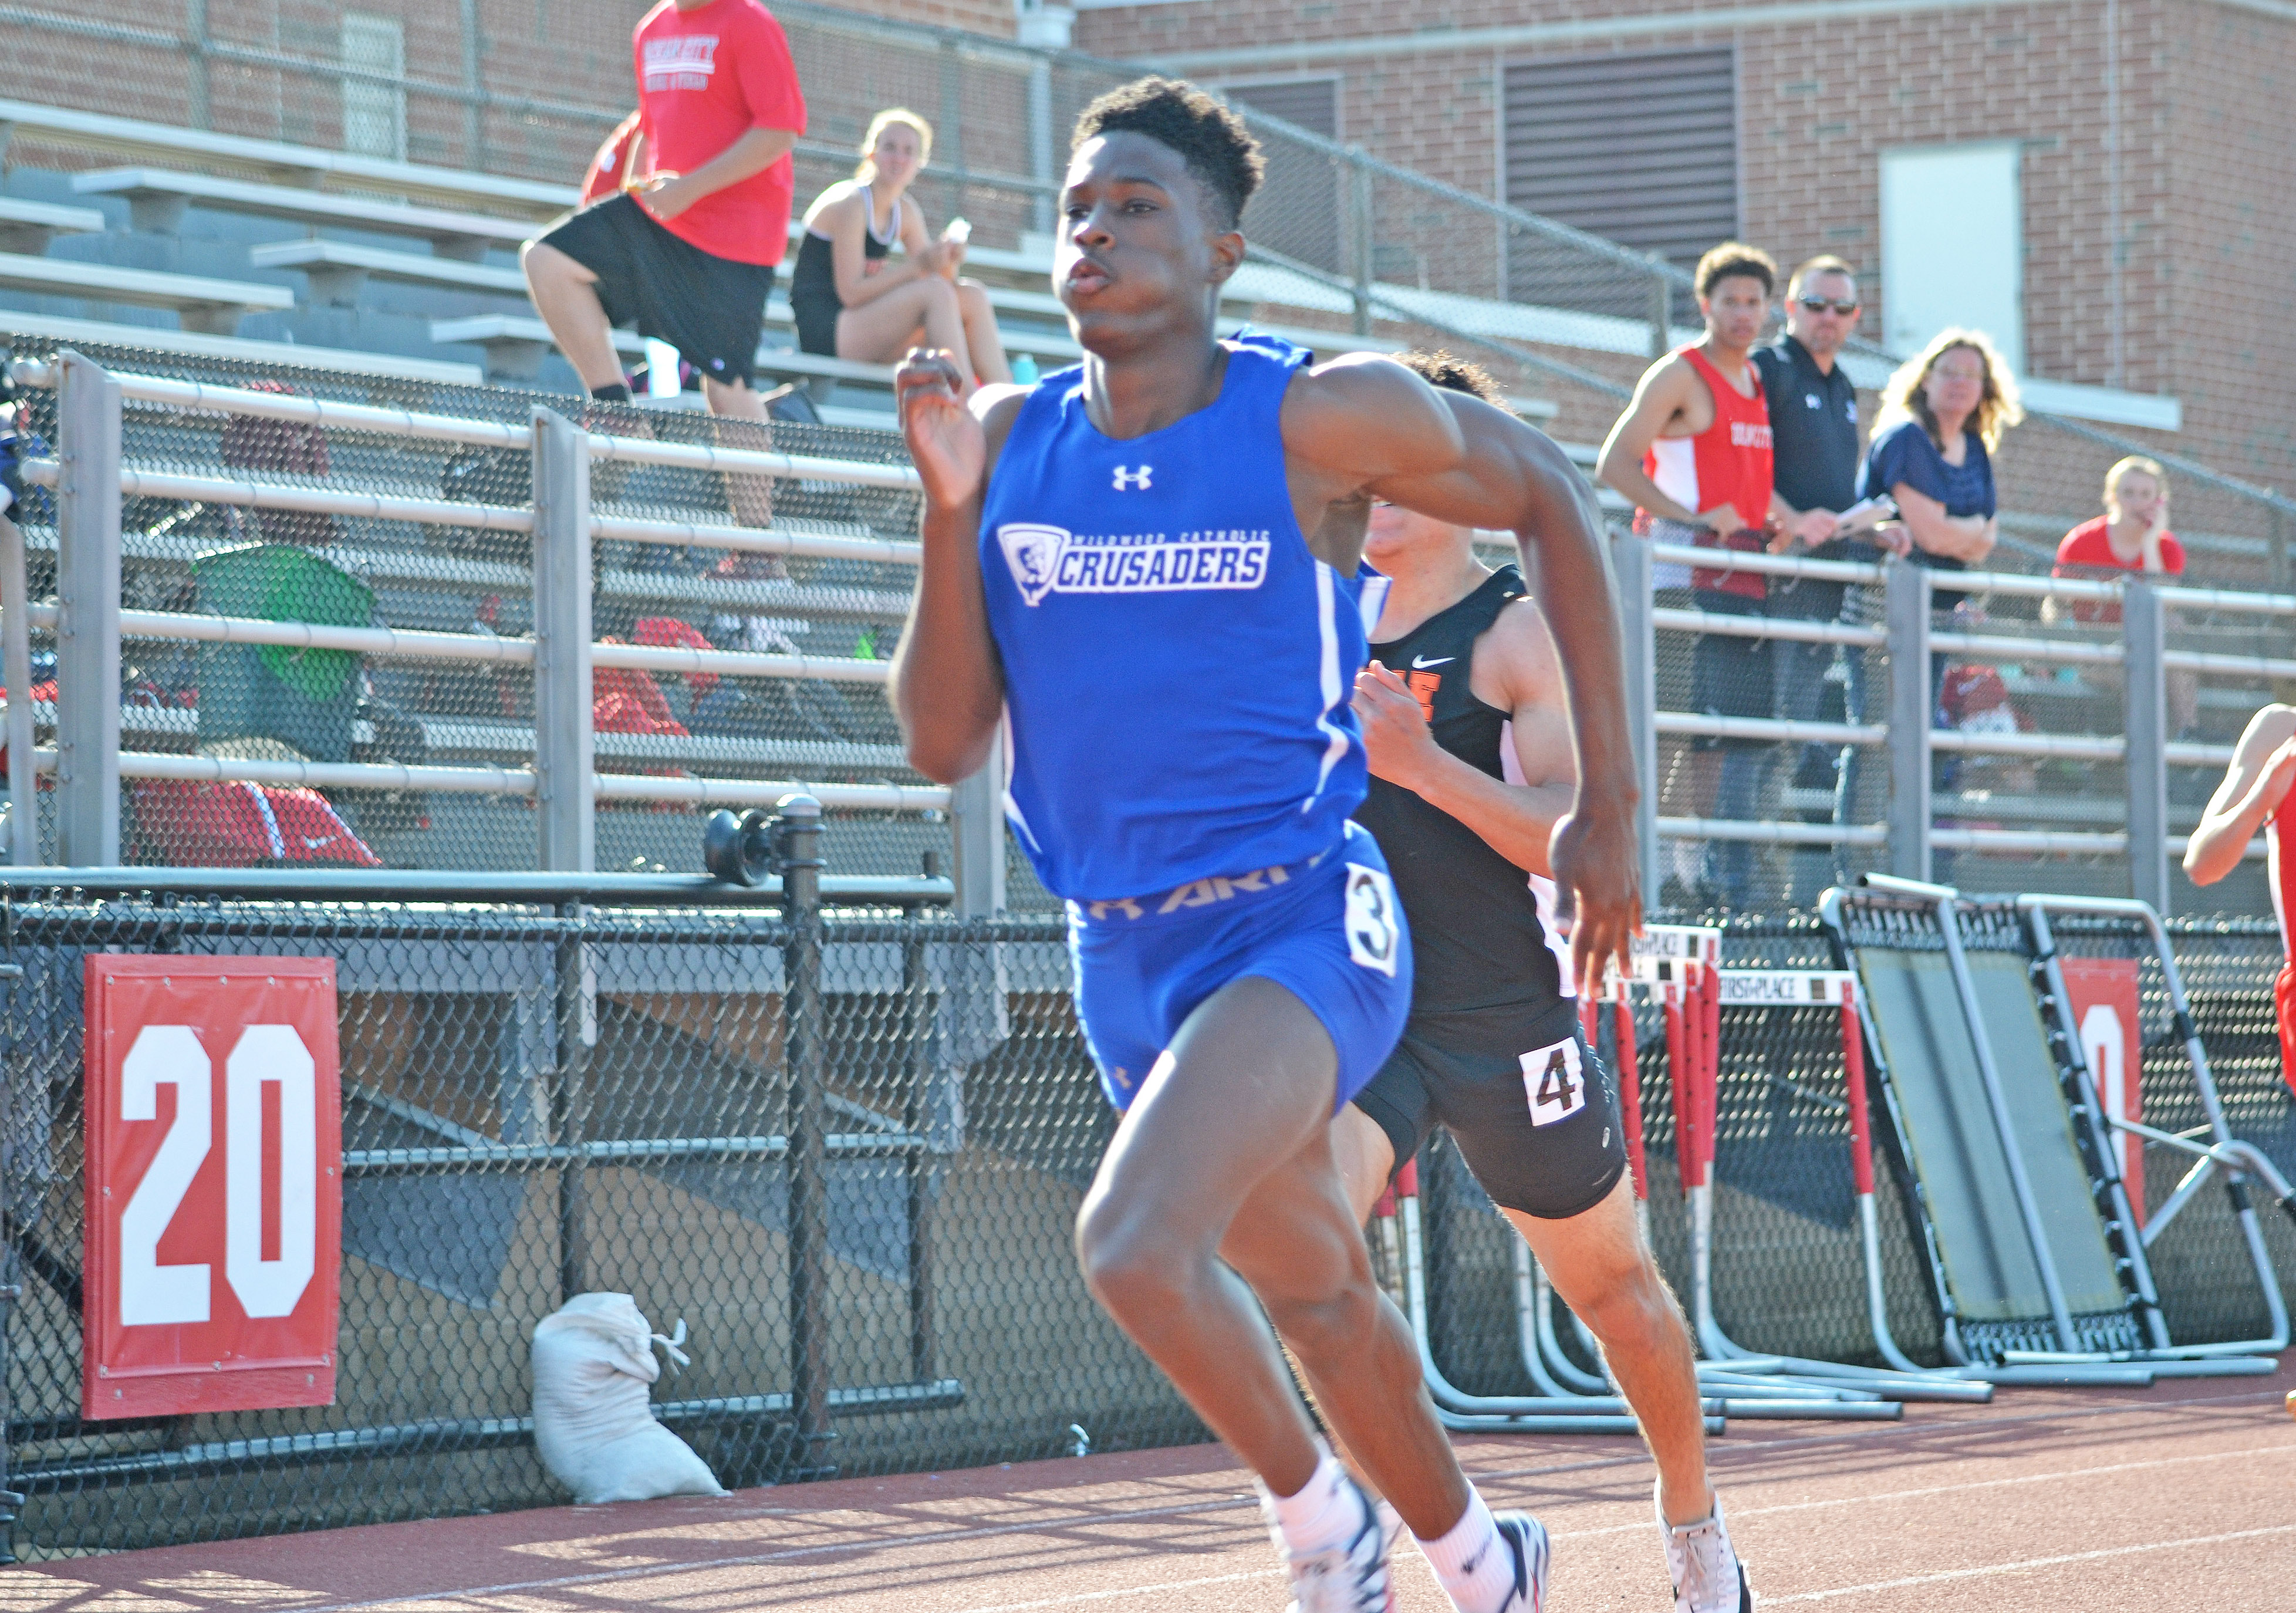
(1374, 935)
(1557, 1089)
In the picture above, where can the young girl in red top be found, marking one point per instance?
(2132, 535)
(2256, 794)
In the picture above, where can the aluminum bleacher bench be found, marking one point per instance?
(27, 226)
(515, 342)
(157, 198)
(300, 165)
(201, 304)
(335, 270)
(271, 355)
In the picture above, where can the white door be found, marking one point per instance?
(374, 115)
(1953, 246)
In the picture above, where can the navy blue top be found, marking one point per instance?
(1904, 452)
(1177, 664)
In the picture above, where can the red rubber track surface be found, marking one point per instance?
(2178, 1497)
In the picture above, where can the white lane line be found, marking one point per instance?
(2027, 1564)
(1739, 1515)
(1085, 1596)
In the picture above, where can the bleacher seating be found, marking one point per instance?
(199, 303)
(27, 226)
(336, 271)
(464, 292)
(171, 144)
(157, 198)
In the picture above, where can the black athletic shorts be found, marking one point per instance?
(711, 308)
(1729, 675)
(1536, 1117)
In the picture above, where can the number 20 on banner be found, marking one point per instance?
(214, 1184)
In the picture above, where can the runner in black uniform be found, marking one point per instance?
(1469, 742)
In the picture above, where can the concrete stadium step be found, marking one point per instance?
(275, 161)
(27, 226)
(200, 303)
(336, 271)
(157, 198)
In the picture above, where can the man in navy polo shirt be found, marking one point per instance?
(1814, 452)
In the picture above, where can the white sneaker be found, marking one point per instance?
(1526, 1538)
(1348, 1578)
(1707, 1576)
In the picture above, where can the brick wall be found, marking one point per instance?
(2207, 150)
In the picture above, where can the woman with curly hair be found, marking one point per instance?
(1942, 417)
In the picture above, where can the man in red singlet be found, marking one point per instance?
(1693, 451)
(2256, 794)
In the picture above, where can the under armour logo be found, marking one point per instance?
(1131, 479)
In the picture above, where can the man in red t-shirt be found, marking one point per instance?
(686, 251)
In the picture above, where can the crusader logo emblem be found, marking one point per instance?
(1034, 553)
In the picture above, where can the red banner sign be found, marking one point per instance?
(2108, 1021)
(215, 1204)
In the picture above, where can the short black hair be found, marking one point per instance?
(1438, 368)
(1733, 259)
(1210, 139)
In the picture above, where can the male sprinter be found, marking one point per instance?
(2256, 794)
(1116, 565)
(1469, 744)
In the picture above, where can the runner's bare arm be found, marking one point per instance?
(1350, 422)
(1516, 821)
(2262, 769)
(1515, 480)
(948, 685)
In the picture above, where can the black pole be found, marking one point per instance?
(921, 1164)
(808, 1197)
(570, 1104)
(10, 1281)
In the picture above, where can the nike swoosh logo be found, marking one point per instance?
(1418, 664)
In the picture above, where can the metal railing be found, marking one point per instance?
(89, 478)
(2134, 663)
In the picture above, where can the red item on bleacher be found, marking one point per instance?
(239, 825)
(624, 700)
(667, 630)
(610, 170)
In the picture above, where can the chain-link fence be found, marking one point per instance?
(848, 1148)
(1808, 721)
(322, 578)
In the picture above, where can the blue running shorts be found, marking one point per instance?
(1327, 930)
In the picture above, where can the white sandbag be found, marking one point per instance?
(592, 1360)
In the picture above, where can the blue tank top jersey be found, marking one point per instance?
(1178, 665)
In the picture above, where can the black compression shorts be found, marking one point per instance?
(711, 308)
(1537, 1124)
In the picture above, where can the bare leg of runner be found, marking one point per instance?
(565, 295)
(1605, 1272)
(1250, 1080)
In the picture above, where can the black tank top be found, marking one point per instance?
(1476, 932)
(814, 281)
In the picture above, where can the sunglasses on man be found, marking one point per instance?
(1818, 305)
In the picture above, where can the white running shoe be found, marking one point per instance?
(1351, 1578)
(1707, 1576)
(1526, 1538)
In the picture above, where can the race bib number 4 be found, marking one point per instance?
(1555, 1082)
(1375, 931)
